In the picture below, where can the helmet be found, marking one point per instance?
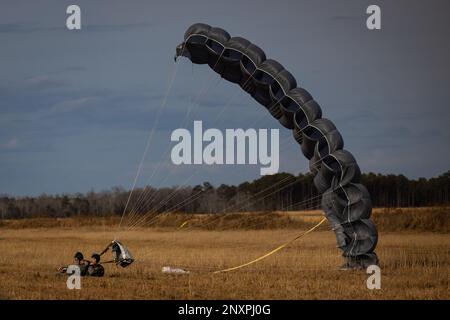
(96, 257)
(79, 256)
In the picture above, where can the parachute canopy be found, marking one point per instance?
(345, 201)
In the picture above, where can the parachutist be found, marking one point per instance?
(95, 269)
(78, 260)
(87, 268)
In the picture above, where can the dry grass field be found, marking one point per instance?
(414, 254)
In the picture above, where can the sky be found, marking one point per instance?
(77, 107)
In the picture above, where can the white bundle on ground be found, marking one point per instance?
(173, 270)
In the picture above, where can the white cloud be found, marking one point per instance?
(10, 144)
(73, 104)
(43, 82)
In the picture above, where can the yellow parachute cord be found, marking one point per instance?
(183, 224)
(274, 250)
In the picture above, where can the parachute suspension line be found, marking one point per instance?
(315, 164)
(194, 197)
(262, 116)
(223, 108)
(250, 220)
(134, 211)
(273, 251)
(204, 90)
(144, 203)
(189, 200)
(305, 202)
(212, 85)
(318, 196)
(262, 191)
(287, 139)
(253, 221)
(217, 117)
(163, 201)
(159, 205)
(189, 111)
(142, 219)
(232, 98)
(198, 195)
(168, 211)
(156, 119)
(214, 219)
(254, 201)
(161, 107)
(194, 173)
(300, 203)
(144, 191)
(255, 198)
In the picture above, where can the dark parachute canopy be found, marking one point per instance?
(345, 201)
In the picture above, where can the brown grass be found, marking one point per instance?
(432, 219)
(413, 219)
(415, 265)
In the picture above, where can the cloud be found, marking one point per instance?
(116, 27)
(10, 144)
(43, 82)
(16, 28)
(13, 28)
(347, 17)
(75, 68)
(73, 104)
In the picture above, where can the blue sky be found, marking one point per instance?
(76, 107)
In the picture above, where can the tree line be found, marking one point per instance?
(282, 191)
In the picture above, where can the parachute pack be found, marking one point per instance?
(122, 255)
